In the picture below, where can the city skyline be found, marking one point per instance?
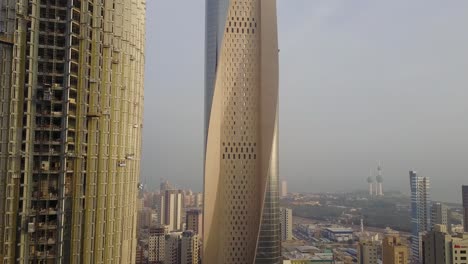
(330, 53)
(358, 90)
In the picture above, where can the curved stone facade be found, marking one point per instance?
(241, 214)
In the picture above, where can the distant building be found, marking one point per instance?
(459, 249)
(145, 217)
(140, 204)
(286, 223)
(319, 258)
(160, 207)
(457, 229)
(419, 213)
(439, 247)
(379, 182)
(179, 248)
(198, 199)
(194, 221)
(393, 251)
(339, 234)
(368, 252)
(169, 205)
(193, 199)
(284, 188)
(190, 248)
(164, 186)
(157, 245)
(173, 248)
(439, 215)
(189, 198)
(465, 207)
(140, 256)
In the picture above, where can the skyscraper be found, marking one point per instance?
(286, 223)
(165, 185)
(439, 215)
(393, 251)
(284, 188)
(169, 208)
(241, 133)
(465, 207)
(71, 101)
(420, 217)
(172, 213)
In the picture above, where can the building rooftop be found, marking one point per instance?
(307, 249)
(339, 230)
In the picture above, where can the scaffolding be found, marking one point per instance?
(71, 118)
(5, 41)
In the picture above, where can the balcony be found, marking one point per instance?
(48, 128)
(43, 211)
(47, 211)
(39, 196)
(47, 152)
(52, 225)
(47, 142)
(45, 254)
(43, 241)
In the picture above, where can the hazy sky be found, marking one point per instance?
(362, 81)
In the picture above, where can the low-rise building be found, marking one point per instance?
(339, 234)
(318, 258)
(459, 247)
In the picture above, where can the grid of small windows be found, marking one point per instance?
(239, 74)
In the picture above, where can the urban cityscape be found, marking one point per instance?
(77, 184)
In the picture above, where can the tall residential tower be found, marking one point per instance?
(241, 210)
(71, 101)
(420, 214)
(286, 224)
(465, 207)
(284, 188)
(439, 215)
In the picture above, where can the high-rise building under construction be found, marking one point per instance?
(71, 100)
(241, 204)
